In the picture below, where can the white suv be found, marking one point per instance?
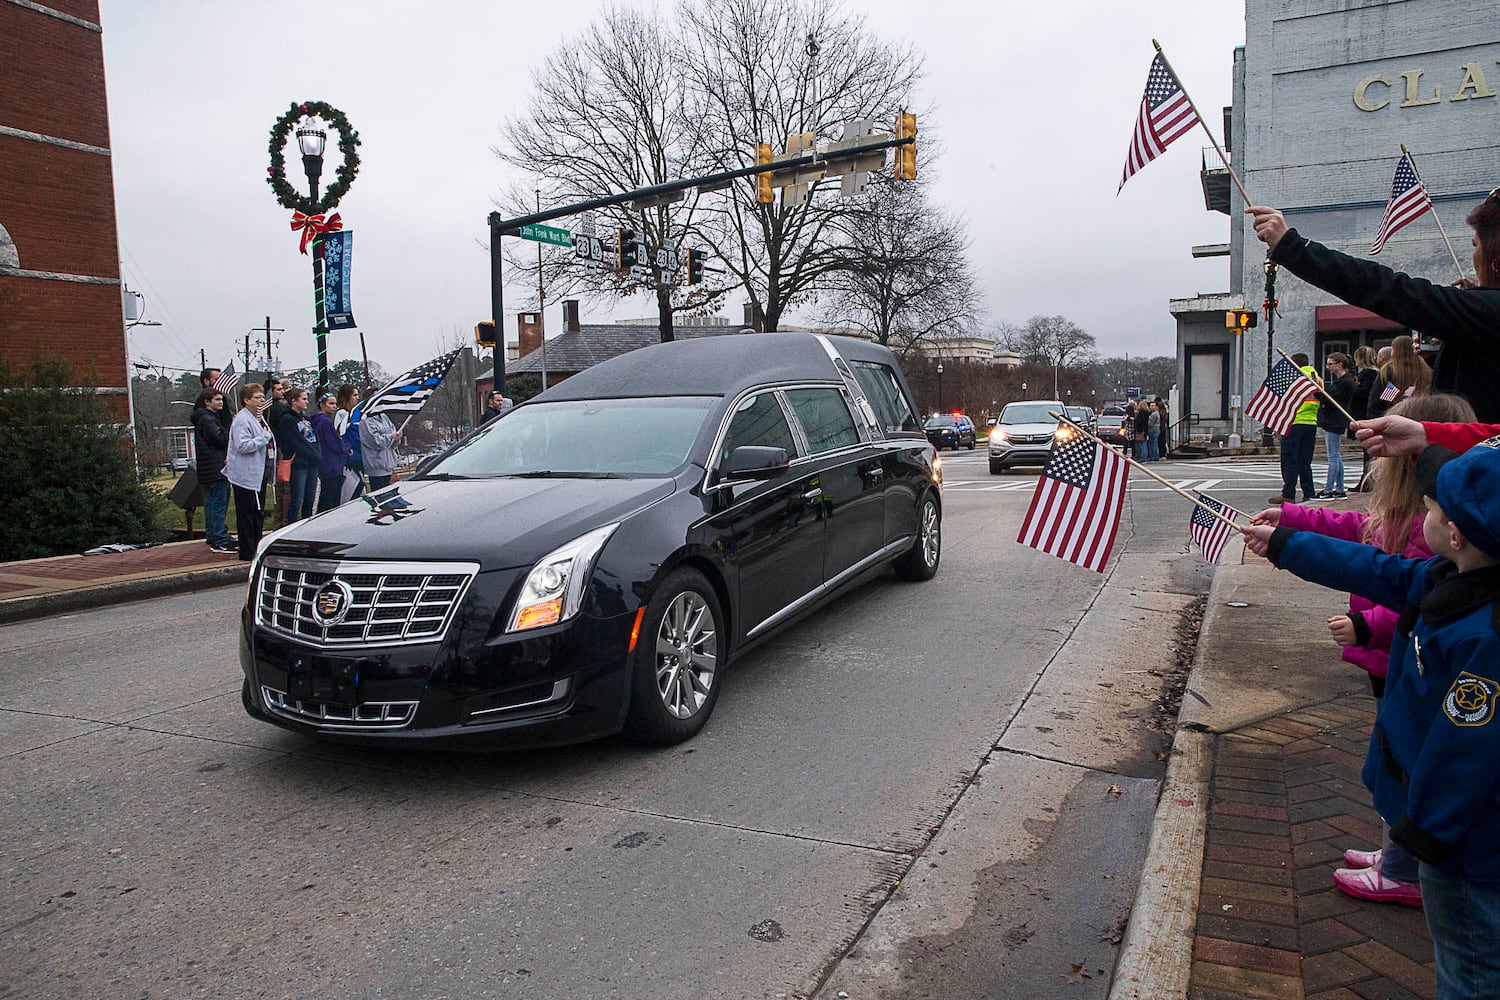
(1023, 435)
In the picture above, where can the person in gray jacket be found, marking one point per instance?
(377, 445)
(245, 467)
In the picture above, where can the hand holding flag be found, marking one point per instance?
(1208, 532)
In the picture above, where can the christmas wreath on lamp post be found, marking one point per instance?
(288, 196)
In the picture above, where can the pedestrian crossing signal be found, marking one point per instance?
(484, 334)
(1240, 319)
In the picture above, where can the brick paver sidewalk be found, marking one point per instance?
(1286, 801)
(61, 573)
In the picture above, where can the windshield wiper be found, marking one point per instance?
(550, 474)
(444, 476)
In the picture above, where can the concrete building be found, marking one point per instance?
(60, 293)
(1325, 92)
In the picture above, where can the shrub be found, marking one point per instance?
(67, 468)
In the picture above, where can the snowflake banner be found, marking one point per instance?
(338, 249)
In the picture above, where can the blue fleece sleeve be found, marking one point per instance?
(1455, 773)
(1386, 579)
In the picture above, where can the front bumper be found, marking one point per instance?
(565, 684)
(1013, 453)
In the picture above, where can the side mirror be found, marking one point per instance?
(754, 462)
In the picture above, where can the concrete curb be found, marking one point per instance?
(1156, 953)
(19, 609)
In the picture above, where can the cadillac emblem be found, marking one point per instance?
(331, 603)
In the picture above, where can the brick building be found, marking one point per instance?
(60, 294)
(1325, 92)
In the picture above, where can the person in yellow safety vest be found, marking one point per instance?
(1297, 444)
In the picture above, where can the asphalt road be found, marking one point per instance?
(937, 789)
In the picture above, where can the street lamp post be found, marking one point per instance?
(311, 138)
(940, 386)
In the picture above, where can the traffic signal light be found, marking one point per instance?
(694, 266)
(484, 334)
(627, 248)
(763, 189)
(1240, 319)
(906, 156)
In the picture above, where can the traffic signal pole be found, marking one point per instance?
(507, 227)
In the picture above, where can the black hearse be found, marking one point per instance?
(592, 562)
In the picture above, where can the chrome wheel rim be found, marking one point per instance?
(931, 534)
(687, 655)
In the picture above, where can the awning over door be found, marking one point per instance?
(1331, 319)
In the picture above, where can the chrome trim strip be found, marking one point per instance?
(559, 691)
(900, 545)
(391, 714)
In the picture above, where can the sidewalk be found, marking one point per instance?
(37, 588)
(1261, 799)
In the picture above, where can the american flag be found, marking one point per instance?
(1408, 202)
(1075, 511)
(1166, 114)
(405, 394)
(1389, 393)
(1210, 533)
(1275, 402)
(228, 382)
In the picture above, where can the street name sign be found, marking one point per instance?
(546, 234)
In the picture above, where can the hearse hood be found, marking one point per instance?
(499, 523)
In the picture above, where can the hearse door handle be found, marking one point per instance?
(875, 475)
(813, 493)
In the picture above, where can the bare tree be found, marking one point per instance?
(1047, 340)
(610, 113)
(909, 279)
(760, 70)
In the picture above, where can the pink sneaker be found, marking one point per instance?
(1368, 883)
(1362, 859)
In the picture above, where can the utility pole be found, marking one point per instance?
(268, 329)
(1270, 308)
(202, 358)
(247, 355)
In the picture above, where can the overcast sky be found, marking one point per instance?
(1034, 103)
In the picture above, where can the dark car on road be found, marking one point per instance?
(951, 430)
(593, 562)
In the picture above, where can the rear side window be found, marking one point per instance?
(824, 417)
(759, 422)
(884, 395)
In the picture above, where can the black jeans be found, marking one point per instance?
(1296, 461)
(249, 519)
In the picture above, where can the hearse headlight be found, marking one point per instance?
(553, 591)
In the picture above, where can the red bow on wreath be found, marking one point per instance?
(314, 225)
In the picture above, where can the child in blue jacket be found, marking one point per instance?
(1433, 765)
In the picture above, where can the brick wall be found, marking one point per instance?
(58, 203)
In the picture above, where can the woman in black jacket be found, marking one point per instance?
(1466, 320)
(1365, 378)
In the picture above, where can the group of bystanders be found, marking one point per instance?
(315, 459)
(1422, 566)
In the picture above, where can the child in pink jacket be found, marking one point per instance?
(1394, 524)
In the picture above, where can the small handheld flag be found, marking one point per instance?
(1275, 402)
(1408, 202)
(1075, 511)
(1389, 393)
(1166, 115)
(1210, 533)
(228, 381)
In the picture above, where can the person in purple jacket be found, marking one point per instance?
(1393, 524)
(332, 452)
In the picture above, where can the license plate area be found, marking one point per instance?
(329, 680)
